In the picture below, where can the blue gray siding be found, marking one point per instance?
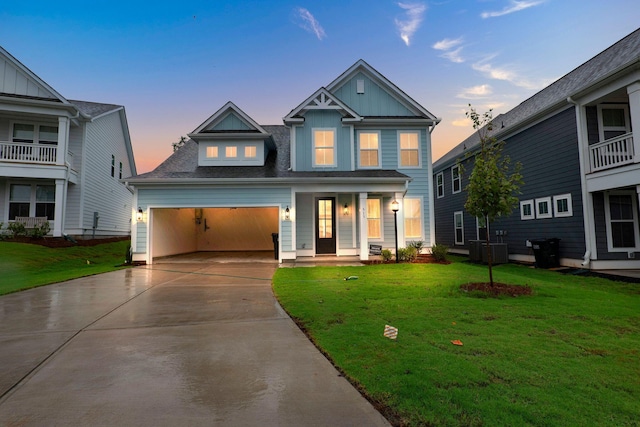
(304, 141)
(373, 102)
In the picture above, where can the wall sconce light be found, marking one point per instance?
(345, 210)
(287, 214)
(139, 215)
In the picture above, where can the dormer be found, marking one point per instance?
(231, 138)
(322, 99)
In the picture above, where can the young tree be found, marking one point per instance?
(493, 184)
(177, 145)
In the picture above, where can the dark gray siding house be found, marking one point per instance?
(580, 166)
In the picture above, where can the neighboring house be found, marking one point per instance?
(581, 168)
(62, 159)
(324, 182)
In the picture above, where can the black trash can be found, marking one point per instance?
(274, 237)
(546, 252)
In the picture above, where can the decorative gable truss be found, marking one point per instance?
(231, 138)
(322, 99)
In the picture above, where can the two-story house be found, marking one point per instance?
(324, 182)
(62, 160)
(581, 168)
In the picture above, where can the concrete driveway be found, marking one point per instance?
(166, 345)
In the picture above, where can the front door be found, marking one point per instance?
(325, 225)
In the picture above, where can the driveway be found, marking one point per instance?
(184, 344)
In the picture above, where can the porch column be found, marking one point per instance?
(400, 198)
(61, 201)
(634, 113)
(63, 140)
(364, 232)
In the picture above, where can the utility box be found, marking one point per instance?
(476, 249)
(546, 252)
(499, 253)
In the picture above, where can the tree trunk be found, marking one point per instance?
(489, 254)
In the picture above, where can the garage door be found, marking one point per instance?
(185, 230)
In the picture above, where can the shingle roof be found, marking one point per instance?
(94, 109)
(623, 54)
(183, 164)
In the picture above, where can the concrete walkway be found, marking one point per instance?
(166, 345)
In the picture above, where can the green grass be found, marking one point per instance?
(567, 355)
(24, 266)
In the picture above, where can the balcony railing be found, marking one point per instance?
(612, 153)
(28, 153)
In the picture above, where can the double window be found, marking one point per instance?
(32, 200)
(35, 133)
(324, 147)
(369, 148)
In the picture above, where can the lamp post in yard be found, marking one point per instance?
(395, 206)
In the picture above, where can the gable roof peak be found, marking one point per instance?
(321, 99)
(223, 113)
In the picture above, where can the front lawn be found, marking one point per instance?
(24, 266)
(567, 355)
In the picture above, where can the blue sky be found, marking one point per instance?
(173, 64)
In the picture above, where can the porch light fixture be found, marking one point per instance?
(287, 214)
(395, 207)
(345, 210)
(139, 215)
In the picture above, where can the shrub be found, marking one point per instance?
(40, 231)
(418, 244)
(386, 255)
(439, 252)
(408, 254)
(16, 229)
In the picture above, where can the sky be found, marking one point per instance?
(172, 64)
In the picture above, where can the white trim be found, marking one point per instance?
(549, 213)
(313, 148)
(409, 131)
(455, 227)
(634, 211)
(379, 149)
(420, 200)
(486, 225)
(438, 186)
(381, 207)
(524, 217)
(559, 214)
(601, 128)
(453, 179)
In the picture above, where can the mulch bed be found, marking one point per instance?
(421, 259)
(497, 289)
(61, 242)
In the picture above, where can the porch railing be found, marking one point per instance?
(612, 153)
(28, 153)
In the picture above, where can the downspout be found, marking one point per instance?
(586, 218)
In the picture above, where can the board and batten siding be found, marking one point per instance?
(548, 152)
(206, 196)
(325, 119)
(102, 192)
(304, 221)
(375, 101)
(232, 122)
(14, 81)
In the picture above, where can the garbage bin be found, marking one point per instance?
(274, 237)
(546, 252)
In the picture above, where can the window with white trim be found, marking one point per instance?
(440, 185)
(231, 152)
(458, 224)
(526, 210)
(374, 219)
(543, 208)
(32, 200)
(113, 165)
(324, 147)
(120, 172)
(456, 179)
(35, 133)
(250, 152)
(562, 206)
(412, 218)
(409, 148)
(613, 120)
(621, 215)
(212, 152)
(369, 149)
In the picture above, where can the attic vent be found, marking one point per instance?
(360, 86)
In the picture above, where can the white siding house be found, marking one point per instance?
(62, 159)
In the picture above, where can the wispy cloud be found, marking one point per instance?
(505, 73)
(447, 45)
(308, 22)
(414, 13)
(476, 92)
(513, 6)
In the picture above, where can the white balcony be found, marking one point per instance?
(28, 153)
(612, 153)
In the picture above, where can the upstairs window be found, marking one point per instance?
(562, 205)
(456, 179)
(526, 210)
(440, 184)
(613, 120)
(543, 208)
(324, 147)
(113, 165)
(231, 152)
(250, 151)
(369, 144)
(212, 152)
(409, 143)
(120, 173)
(35, 134)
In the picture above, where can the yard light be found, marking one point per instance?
(395, 206)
